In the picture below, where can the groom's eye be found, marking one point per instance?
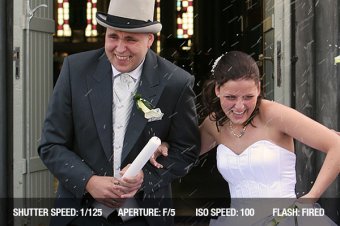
(131, 39)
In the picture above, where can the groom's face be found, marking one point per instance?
(126, 50)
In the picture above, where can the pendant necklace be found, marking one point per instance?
(231, 128)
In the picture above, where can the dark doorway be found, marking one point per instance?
(220, 26)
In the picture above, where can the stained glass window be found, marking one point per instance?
(185, 18)
(63, 19)
(91, 22)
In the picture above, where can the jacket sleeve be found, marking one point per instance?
(184, 141)
(57, 139)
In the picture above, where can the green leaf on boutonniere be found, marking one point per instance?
(142, 104)
(145, 106)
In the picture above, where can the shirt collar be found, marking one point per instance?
(135, 74)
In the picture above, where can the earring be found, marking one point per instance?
(218, 96)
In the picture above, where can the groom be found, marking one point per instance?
(94, 129)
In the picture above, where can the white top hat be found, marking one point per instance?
(130, 16)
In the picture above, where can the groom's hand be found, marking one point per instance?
(105, 189)
(130, 185)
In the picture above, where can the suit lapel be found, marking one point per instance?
(150, 89)
(100, 87)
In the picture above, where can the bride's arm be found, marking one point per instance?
(207, 143)
(207, 139)
(313, 134)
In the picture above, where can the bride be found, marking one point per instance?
(255, 147)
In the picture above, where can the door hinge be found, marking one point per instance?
(16, 59)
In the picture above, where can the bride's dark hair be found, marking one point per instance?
(234, 65)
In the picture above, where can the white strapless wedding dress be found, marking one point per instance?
(261, 178)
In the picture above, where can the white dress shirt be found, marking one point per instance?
(121, 110)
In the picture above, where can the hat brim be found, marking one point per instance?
(128, 25)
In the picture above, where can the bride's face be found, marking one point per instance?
(238, 99)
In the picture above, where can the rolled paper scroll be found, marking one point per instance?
(132, 171)
(143, 157)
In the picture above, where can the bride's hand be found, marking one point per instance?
(161, 150)
(307, 199)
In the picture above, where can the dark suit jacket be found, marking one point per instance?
(76, 141)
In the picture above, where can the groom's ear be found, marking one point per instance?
(151, 38)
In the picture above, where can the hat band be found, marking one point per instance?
(125, 22)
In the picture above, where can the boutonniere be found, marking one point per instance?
(150, 113)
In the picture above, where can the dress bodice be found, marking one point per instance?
(264, 169)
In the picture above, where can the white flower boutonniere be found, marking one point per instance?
(150, 113)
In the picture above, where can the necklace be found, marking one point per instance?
(231, 128)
